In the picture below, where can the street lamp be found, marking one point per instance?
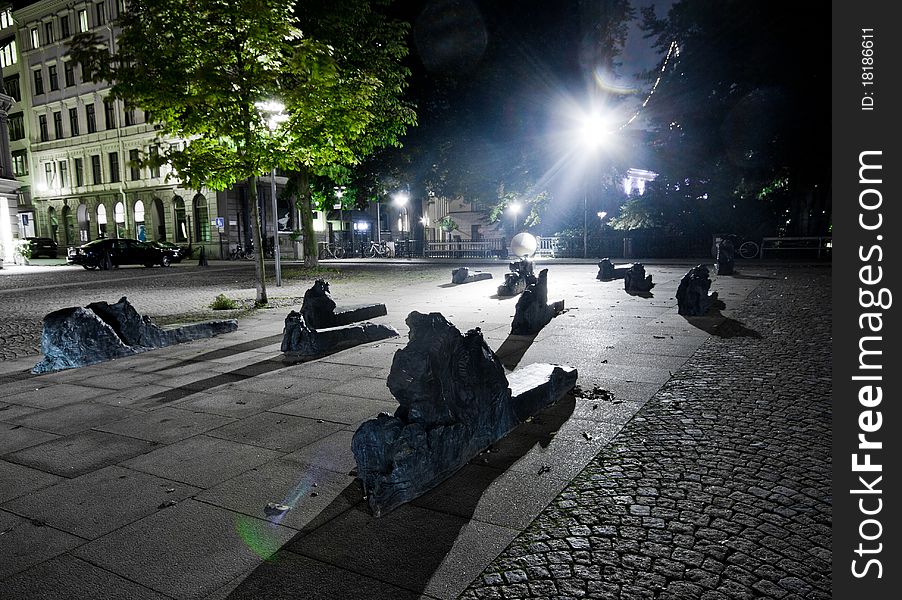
(593, 132)
(276, 112)
(340, 193)
(514, 209)
(400, 200)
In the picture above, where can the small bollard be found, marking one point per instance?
(202, 261)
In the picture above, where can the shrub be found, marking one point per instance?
(222, 302)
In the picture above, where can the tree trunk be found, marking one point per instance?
(260, 272)
(311, 251)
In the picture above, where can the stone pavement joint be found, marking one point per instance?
(720, 487)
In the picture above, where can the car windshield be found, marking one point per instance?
(95, 243)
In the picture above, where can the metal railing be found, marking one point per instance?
(462, 249)
(820, 245)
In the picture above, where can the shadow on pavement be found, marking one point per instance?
(227, 351)
(641, 294)
(345, 552)
(511, 351)
(718, 325)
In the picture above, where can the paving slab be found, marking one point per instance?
(275, 431)
(188, 550)
(227, 401)
(68, 577)
(306, 490)
(16, 480)
(201, 461)
(336, 408)
(25, 543)
(72, 418)
(38, 395)
(288, 576)
(15, 437)
(332, 452)
(166, 425)
(391, 548)
(80, 453)
(99, 502)
(363, 387)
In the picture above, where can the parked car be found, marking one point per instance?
(122, 251)
(181, 252)
(42, 247)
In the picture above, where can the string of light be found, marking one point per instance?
(673, 50)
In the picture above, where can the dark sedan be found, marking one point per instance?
(179, 252)
(42, 247)
(93, 255)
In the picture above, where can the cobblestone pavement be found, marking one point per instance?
(718, 488)
(27, 294)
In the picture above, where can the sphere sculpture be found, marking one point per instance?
(524, 245)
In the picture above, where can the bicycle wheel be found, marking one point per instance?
(339, 252)
(371, 252)
(748, 250)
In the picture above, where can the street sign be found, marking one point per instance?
(220, 222)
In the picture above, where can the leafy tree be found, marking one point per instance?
(200, 67)
(731, 121)
(347, 105)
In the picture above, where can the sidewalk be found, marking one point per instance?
(148, 477)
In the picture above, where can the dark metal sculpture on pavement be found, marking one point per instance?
(454, 402)
(520, 276)
(635, 279)
(726, 257)
(533, 311)
(318, 309)
(463, 275)
(693, 299)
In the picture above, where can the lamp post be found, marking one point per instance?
(514, 209)
(339, 193)
(400, 200)
(592, 135)
(276, 113)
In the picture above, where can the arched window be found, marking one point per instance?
(83, 216)
(53, 224)
(119, 217)
(101, 221)
(181, 224)
(201, 219)
(159, 218)
(68, 227)
(140, 231)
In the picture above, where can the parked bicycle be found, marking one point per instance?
(745, 248)
(241, 253)
(331, 251)
(381, 249)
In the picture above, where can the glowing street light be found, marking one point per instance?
(276, 112)
(593, 133)
(602, 214)
(514, 209)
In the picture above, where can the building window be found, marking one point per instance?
(154, 165)
(48, 32)
(57, 125)
(92, 120)
(130, 117)
(114, 167)
(49, 175)
(99, 14)
(6, 18)
(135, 170)
(38, 82)
(8, 55)
(35, 38)
(11, 84)
(54, 80)
(64, 27)
(109, 113)
(64, 173)
(16, 127)
(73, 121)
(69, 73)
(95, 169)
(20, 163)
(201, 219)
(42, 128)
(79, 172)
(83, 20)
